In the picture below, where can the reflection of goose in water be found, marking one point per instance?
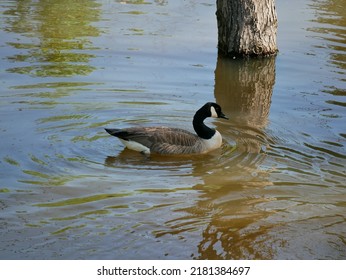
(165, 140)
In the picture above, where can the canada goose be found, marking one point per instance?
(165, 140)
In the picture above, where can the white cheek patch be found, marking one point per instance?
(213, 112)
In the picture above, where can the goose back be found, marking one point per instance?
(165, 140)
(162, 140)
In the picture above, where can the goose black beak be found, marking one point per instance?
(223, 116)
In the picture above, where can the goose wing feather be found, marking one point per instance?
(163, 140)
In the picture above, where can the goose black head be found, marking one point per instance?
(215, 110)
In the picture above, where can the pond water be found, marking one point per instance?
(275, 190)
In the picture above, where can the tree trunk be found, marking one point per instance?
(246, 27)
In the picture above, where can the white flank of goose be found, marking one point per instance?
(166, 140)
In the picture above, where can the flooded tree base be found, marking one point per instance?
(246, 27)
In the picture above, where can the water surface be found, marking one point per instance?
(276, 188)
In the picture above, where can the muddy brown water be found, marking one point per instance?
(276, 188)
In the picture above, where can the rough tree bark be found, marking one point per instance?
(246, 27)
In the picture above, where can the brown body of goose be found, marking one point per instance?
(166, 140)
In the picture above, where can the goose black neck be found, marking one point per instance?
(201, 129)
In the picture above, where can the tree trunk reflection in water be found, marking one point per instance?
(237, 229)
(228, 209)
(244, 89)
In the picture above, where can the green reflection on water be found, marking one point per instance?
(82, 215)
(55, 36)
(67, 228)
(55, 70)
(82, 200)
(53, 85)
(64, 118)
(49, 180)
(134, 13)
(136, 2)
(11, 161)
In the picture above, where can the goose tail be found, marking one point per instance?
(113, 131)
